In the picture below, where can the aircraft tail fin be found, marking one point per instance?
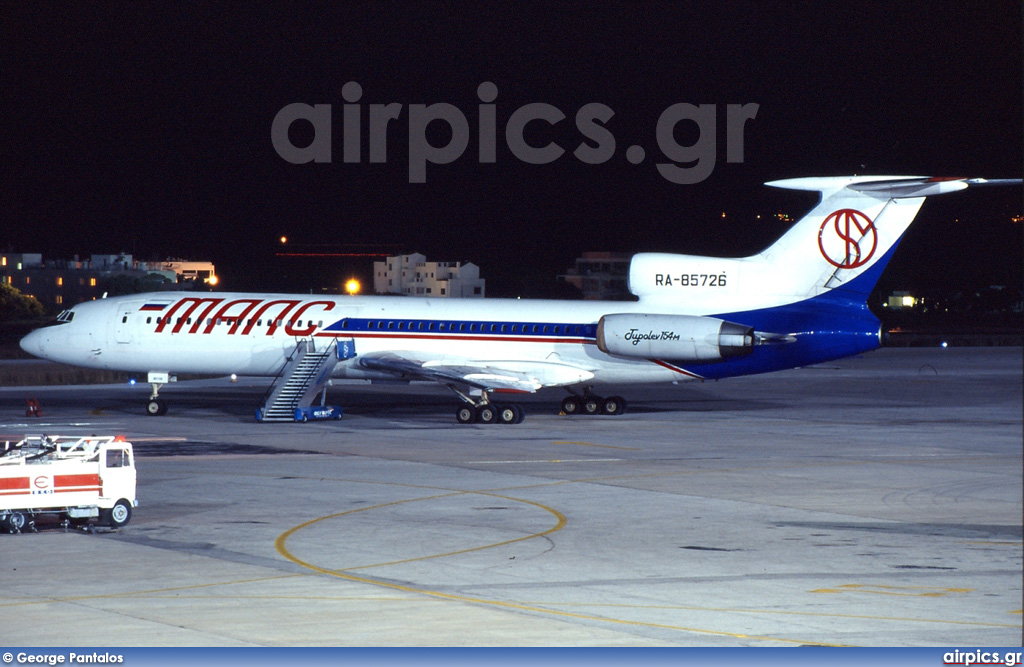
(840, 246)
(845, 241)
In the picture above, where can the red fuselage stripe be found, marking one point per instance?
(676, 369)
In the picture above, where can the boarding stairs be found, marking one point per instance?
(304, 375)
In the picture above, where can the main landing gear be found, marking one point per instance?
(488, 413)
(482, 411)
(588, 404)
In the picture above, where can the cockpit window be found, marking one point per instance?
(66, 316)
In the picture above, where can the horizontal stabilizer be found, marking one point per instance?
(888, 187)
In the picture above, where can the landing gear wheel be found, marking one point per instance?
(14, 522)
(571, 405)
(118, 515)
(592, 404)
(156, 407)
(613, 405)
(510, 414)
(465, 414)
(486, 414)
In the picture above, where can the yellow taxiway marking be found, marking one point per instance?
(559, 524)
(908, 591)
(779, 612)
(342, 573)
(175, 593)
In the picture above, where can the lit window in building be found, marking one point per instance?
(92, 282)
(60, 281)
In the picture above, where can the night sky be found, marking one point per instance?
(147, 129)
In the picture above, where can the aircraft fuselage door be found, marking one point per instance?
(123, 323)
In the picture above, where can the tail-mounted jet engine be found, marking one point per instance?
(676, 337)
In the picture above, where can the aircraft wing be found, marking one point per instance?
(523, 376)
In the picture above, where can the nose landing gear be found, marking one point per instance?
(156, 406)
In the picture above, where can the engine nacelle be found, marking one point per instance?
(675, 337)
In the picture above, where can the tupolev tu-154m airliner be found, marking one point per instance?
(800, 301)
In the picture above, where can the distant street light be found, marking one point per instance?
(353, 286)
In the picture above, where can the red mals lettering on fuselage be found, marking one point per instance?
(205, 314)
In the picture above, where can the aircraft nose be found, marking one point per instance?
(34, 343)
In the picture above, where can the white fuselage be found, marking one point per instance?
(253, 334)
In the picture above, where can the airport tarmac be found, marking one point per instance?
(874, 501)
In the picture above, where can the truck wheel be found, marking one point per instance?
(118, 515)
(14, 522)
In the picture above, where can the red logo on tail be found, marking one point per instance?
(847, 239)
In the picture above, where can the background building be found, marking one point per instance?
(413, 275)
(62, 283)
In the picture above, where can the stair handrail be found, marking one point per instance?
(270, 389)
(317, 367)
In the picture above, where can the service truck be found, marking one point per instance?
(74, 478)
